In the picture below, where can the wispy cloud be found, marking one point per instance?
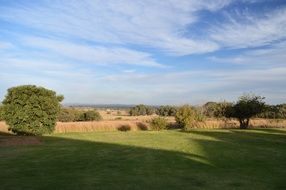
(268, 57)
(244, 29)
(155, 24)
(93, 54)
(173, 51)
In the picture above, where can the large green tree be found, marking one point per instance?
(31, 110)
(245, 108)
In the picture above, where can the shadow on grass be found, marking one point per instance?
(62, 163)
(230, 161)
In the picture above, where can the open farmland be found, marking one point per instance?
(200, 159)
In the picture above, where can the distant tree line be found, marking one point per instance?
(246, 107)
(221, 110)
(32, 110)
(73, 114)
(142, 110)
(274, 112)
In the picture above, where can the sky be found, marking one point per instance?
(145, 51)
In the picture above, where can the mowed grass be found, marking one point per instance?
(200, 159)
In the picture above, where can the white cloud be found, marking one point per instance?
(93, 54)
(159, 24)
(78, 36)
(272, 56)
(246, 30)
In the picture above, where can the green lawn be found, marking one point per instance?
(201, 159)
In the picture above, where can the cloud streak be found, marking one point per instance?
(156, 52)
(93, 54)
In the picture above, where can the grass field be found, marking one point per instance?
(200, 159)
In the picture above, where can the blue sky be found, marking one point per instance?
(145, 51)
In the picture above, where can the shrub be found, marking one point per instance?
(216, 109)
(68, 115)
(71, 115)
(158, 123)
(31, 110)
(124, 128)
(91, 115)
(118, 118)
(141, 110)
(142, 126)
(274, 112)
(166, 111)
(188, 117)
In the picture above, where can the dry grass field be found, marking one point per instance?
(135, 123)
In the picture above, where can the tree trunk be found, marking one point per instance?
(244, 123)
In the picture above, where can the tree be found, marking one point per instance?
(274, 112)
(209, 109)
(166, 110)
(68, 115)
(90, 115)
(245, 108)
(216, 109)
(31, 110)
(141, 110)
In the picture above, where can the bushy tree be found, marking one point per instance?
(90, 115)
(274, 112)
(209, 109)
(69, 115)
(166, 110)
(72, 114)
(188, 117)
(158, 123)
(216, 109)
(141, 110)
(31, 110)
(245, 108)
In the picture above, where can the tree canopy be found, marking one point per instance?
(31, 110)
(245, 108)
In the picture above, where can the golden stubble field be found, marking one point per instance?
(114, 119)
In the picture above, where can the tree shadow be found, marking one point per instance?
(225, 159)
(62, 163)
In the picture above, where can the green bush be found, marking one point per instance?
(188, 117)
(216, 109)
(69, 115)
(158, 123)
(90, 115)
(141, 110)
(274, 112)
(31, 110)
(166, 111)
